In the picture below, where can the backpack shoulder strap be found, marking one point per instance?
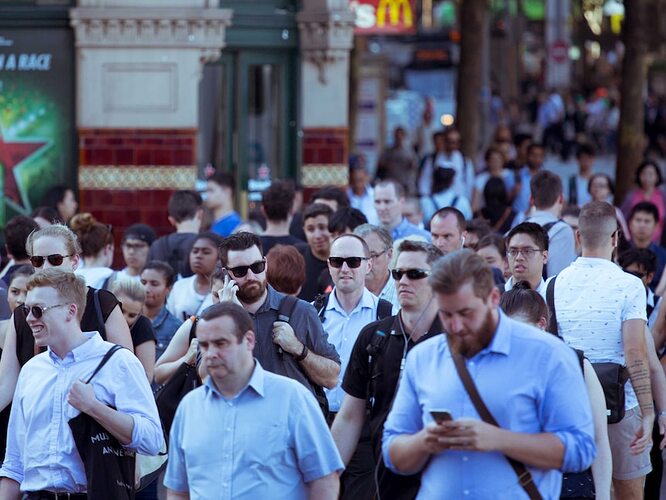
(320, 302)
(193, 329)
(550, 302)
(286, 308)
(454, 201)
(548, 226)
(384, 309)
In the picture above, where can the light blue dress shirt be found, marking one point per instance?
(41, 453)
(405, 229)
(522, 201)
(531, 382)
(267, 442)
(342, 330)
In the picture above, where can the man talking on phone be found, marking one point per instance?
(298, 349)
(519, 412)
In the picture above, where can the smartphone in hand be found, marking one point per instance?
(441, 416)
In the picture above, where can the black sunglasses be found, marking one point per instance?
(241, 271)
(55, 259)
(412, 274)
(352, 262)
(38, 311)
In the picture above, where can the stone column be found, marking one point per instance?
(138, 68)
(326, 29)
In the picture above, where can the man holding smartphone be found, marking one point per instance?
(530, 382)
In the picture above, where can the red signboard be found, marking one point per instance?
(384, 17)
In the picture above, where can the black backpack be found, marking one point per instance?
(547, 227)
(285, 311)
(384, 307)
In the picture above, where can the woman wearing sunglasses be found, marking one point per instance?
(181, 349)
(55, 246)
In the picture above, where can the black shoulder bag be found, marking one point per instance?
(612, 376)
(184, 379)
(524, 475)
(109, 466)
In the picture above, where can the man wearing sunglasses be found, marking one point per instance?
(345, 311)
(376, 363)
(42, 456)
(298, 349)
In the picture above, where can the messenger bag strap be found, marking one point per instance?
(524, 476)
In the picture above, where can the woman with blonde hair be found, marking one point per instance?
(57, 246)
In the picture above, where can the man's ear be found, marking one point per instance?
(172, 221)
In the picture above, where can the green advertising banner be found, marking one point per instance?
(37, 124)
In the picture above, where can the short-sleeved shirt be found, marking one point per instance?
(593, 297)
(307, 328)
(385, 382)
(142, 331)
(184, 300)
(224, 226)
(25, 342)
(174, 249)
(268, 442)
(268, 242)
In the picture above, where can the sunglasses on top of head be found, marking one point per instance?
(241, 271)
(55, 259)
(412, 274)
(352, 262)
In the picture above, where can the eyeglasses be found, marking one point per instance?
(38, 311)
(374, 255)
(241, 271)
(352, 262)
(412, 274)
(528, 252)
(55, 259)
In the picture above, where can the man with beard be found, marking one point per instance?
(298, 349)
(530, 382)
(377, 360)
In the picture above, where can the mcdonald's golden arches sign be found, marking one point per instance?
(384, 16)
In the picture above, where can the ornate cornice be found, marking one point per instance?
(200, 28)
(326, 37)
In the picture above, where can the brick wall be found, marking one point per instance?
(325, 158)
(127, 175)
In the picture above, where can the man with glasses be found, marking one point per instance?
(42, 459)
(527, 252)
(378, 280)
(377, 360)
(298, 349)
(344, 312)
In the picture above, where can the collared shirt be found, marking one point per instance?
(165, 325)
(593, 297)
(41, 453)
(561, 241)
(224, 226)
(530, 381)
(365, 203)
(390, 293)
(307, 328)
(267, 442)
(541, 288)
(405, 229)
(342, 330)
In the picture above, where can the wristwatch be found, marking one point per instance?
(304, 354)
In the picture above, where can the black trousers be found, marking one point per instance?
(358, 480)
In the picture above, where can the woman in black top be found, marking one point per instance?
(56, 246)
(132, 294)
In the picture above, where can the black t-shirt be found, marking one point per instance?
(313, 269)
(142, 331)
(25, 342)
(268, 242)
(385, 375)
(174, 249)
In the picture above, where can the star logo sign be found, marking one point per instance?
(13, 154)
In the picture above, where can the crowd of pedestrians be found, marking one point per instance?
(444, 331)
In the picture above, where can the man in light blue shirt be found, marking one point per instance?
(389, 201)
(531, 383)
(42, 457)
(247, 433)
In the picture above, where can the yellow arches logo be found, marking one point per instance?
(395, 8)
